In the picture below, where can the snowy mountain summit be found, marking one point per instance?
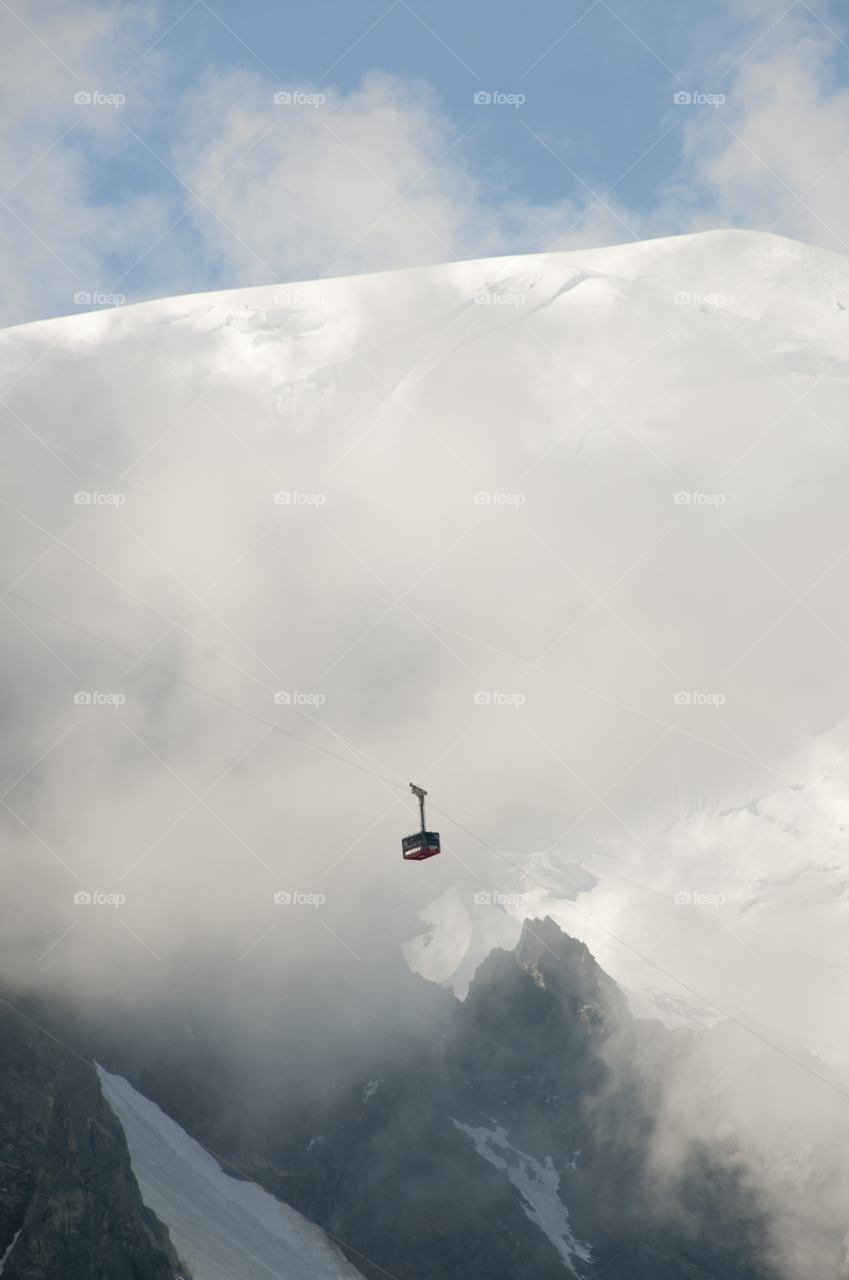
(562, 537)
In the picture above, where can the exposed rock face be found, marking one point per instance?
(545, 1074)
(512, 1142)
(70, 1206)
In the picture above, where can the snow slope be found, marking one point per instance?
(222, 1228)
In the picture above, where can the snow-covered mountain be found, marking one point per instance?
(608, 482)
(561, 538)
(535, 1129)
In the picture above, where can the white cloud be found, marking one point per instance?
(373, 179)
(775, 158)
(61, 231)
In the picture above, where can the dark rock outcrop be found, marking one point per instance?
(543, 1073)
(545, 1051)
(70, 1205)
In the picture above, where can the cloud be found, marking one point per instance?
(335, 188)
(780, 1132)
(775, 157)
(400, 598)
(375, 179)
(64, 224)
(203, 181)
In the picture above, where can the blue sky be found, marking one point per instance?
(400, 166)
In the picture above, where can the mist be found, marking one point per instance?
(385, 471)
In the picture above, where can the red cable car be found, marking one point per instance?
(424, 844)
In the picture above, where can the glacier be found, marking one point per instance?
(221, 1227)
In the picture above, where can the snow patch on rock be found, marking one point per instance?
(538, 1185)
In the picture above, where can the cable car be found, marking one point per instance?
(424, 844)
